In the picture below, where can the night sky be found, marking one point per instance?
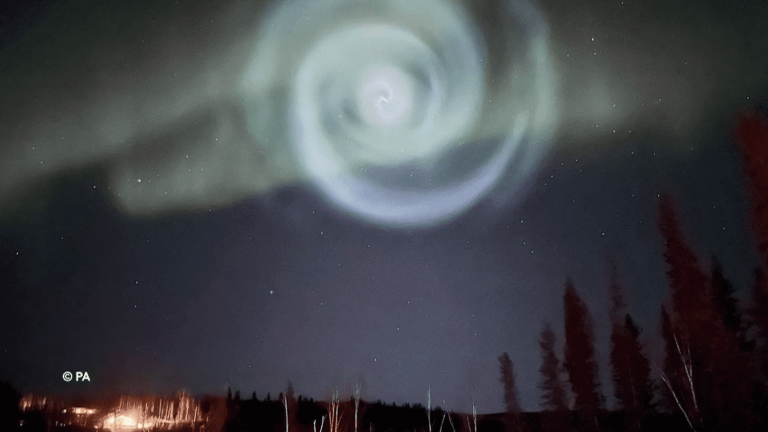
(159, 230)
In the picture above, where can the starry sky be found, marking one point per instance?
(153, 236)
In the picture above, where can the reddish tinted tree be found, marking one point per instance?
(553, 397)
(688, 330)
(580, 358)
(511, 404)
(692, 308)
(677, 390)
(738, 348)
(688, 327)
(758, 315)
(751, 137)
(758, 311)
(633, 387)
(727, 306)
(699, 372)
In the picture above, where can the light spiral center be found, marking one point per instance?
(385, 97)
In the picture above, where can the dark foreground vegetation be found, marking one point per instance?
(306, 415)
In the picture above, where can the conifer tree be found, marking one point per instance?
(678, 390)
(580, 357)
(758, 313)
(633, 386)
(699, 373)
(689, 330)
(511, 404)
(726, 305)
(751, 135)
(692, 307)
(553, 397)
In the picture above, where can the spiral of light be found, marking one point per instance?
(404, 113)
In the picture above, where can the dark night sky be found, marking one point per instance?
(247, 277)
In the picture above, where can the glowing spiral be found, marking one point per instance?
(397, 110)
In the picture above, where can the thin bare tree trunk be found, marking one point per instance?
(285, 404)
(357, 402)
(429, 408)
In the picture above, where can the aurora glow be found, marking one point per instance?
(384, 101)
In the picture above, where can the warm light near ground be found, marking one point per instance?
(120, 421)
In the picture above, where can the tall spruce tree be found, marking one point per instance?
(689, 328)
(676, 390)
(553, 396)
(633, 386)
(700, 354)
(630, 367)
(692, 308)
(758, 313)
(511, 403)
(751, 135)
(727, 306)
(580, 358)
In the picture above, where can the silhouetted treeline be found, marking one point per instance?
(269, 415)
(306, 414)
(714, 374)
(255, 415)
